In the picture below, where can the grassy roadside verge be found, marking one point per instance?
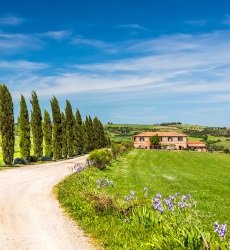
(98, 210)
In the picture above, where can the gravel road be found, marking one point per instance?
(30, 216)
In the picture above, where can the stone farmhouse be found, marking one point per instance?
(168, 140)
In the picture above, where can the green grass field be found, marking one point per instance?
(225, 144)
(203, 175)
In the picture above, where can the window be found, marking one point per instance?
(180, 138)
(142, 138)
(170, 138)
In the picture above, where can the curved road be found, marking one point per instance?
(30, 216)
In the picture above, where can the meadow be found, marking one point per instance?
(100, 209)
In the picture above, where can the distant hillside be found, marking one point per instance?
(217, 138)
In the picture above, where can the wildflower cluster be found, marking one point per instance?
(172, 202)
(130, 197)
(220, 229)
(76, 168)
(103, 182)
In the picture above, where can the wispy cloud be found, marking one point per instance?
(133, 26)
(98, 44)
(21, 65)
(197, 22)
(183, 69)
(18, 43)
(11, 20)
(56, 35)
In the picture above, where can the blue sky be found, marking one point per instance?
(125, 61)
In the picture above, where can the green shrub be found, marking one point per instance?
(226, 151)
(19, 161)
(100, 158)
(46, 158)
(33, 158)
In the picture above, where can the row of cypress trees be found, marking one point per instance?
(65, 135)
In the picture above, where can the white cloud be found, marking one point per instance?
(11, 20)
(21, 65)
(197, 22)
(189, 68)
(133, 26)
(98, 44)
(56, 35)
(18, 43)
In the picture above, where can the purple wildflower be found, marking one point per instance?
(216, 226)
(220, 229)
(159, 195)
(167, 201)
(183, 197)
(171, 197)
(130, 197)
(161, 209)
(171, 206)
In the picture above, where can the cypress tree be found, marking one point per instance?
(84, 137)
(100, 140)
(36, 125)
(96, 133)
(57, 129)
(7, 124)
(89, 134)
(64, 136)
(79, 138)
(47, 132)
(69, 119)
(24, 130)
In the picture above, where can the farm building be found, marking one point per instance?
(168, 140)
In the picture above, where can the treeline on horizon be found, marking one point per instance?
(66, 135)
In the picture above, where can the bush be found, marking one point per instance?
(128, 144)
(226, 151)
(100, 158)
(116, 150)
(33, 158)
(46, 158)
(120, 148)
(19, 161)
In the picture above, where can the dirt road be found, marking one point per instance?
(30, 217)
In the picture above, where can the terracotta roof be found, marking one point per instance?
(159, 133)
(196, 143)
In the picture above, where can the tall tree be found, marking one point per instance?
(96, 133)
(69, 119)
(102, 136)
(64, 136)
(57, 129)
(36, 125)
(79, 138)
(89, 134)
(100, 139)
(24, 130)
(7, 124)
(47, 132)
